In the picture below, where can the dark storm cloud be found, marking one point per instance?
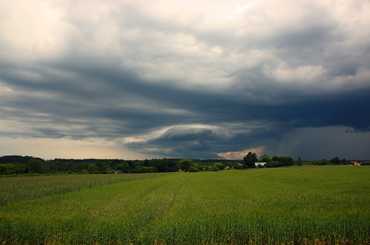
(155, 87)
(91, 108)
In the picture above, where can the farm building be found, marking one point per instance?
(356, 163)
(259, 164)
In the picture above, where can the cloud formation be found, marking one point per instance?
(185, 78)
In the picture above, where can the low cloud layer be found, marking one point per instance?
(199, 79)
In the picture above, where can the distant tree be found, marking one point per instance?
(92, 168)
(250, 159)
(194, 168)
(185, 165)
(124, 167)
(283, 160)
(265, 158)
(12, 168)
(164, 165)
(321, 162)
(35, 165)
(103, 167)
(146, 163)
(220, 165)
(335, 160)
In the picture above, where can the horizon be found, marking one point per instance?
(185, 79)
(194, 159)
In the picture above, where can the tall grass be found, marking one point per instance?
(264, 206)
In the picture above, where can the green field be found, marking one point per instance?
(262, 206)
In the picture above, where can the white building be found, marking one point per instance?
(259, 164)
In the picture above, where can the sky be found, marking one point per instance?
(139, 79)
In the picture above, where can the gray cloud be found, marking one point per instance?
(194, 84)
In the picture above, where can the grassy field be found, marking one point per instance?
(30, 187)
(263, 206)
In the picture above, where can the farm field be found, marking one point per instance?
(31, 187)
(261, 206)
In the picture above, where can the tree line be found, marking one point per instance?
(34, 165)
